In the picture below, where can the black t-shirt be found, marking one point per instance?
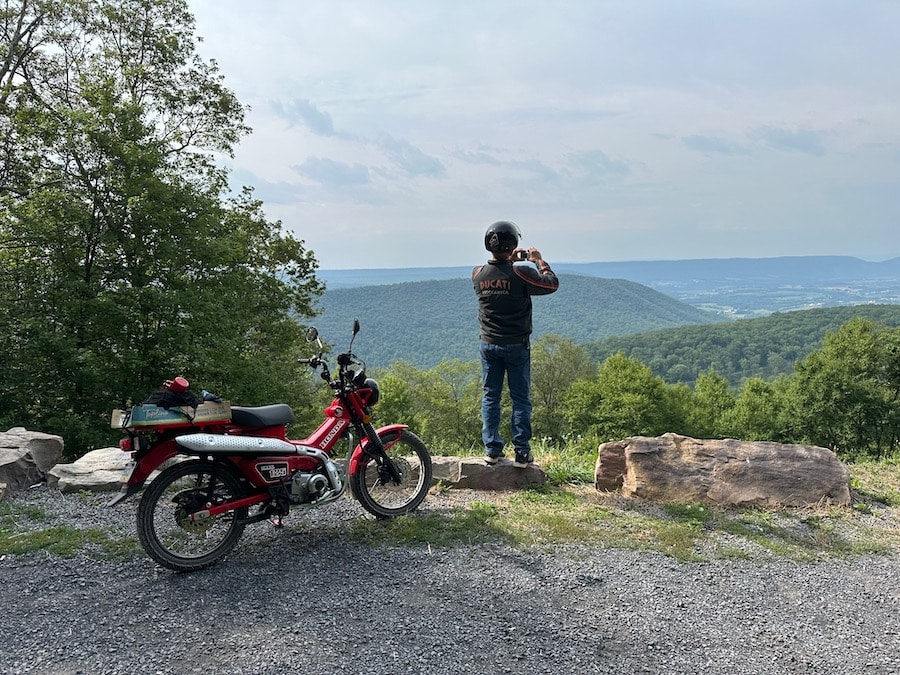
(504, 293)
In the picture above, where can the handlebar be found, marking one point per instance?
(344, 360)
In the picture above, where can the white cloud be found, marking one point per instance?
(392, 133)
(410, 159)
(799, 140)
(302, 111)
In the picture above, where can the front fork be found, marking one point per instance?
(371, 447)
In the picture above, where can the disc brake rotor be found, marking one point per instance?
(404, 468)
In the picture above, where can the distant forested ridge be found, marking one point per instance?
(427, 322)
(704, 273)
(765, 347)
(731, 287)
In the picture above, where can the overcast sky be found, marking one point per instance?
(391, 133)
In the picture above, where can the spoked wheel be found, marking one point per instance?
(173, 522)
(378, 492)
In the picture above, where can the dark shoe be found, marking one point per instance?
(492, 459)
(523, 459)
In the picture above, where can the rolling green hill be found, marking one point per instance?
(765, 347)
(730, 287)
(427, 322)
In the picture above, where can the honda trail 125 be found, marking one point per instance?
(222, 467)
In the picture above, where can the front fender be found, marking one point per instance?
(357, 459)
(143, 467)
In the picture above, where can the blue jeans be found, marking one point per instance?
(514, 362)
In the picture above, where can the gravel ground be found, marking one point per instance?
(306, 599)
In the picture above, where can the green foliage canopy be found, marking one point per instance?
(556, 363)
(124, 262)
(625, 399)
(848, 392)
(765, 347)
(844, 396)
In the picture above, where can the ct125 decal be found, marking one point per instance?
(273, 471)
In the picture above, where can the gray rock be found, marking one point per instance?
(674, 468)
(474, 473)
(26, 457)
(102, 470)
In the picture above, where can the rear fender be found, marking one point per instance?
(389, 435)
(144, 466)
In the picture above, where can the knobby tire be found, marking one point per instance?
(380, 495)
(164, 529)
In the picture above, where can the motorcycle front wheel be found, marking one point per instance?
(171, 521)
(378, 492)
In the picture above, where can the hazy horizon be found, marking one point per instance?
(615, 262)
(392, 134)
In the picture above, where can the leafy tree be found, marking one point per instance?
(441, 404)
(712, 400)
(849, 390)
(759, 413)
(451, 394)
(124, 261)
(846, 392)
(625, 399)
(398, 400)
(556, 362)
(889, 378)
(678, 407)
(765, 347)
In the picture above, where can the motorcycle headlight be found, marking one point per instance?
(376, 392)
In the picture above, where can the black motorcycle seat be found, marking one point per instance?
(262, 416)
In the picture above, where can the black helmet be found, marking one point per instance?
(502, 236)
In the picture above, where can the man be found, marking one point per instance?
(504, 293)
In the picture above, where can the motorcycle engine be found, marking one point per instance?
(307, 487)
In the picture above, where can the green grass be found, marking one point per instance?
(566, 465)
(569, 510)
(876, 481)
(551, 516)
(473, 525)
(26, 528)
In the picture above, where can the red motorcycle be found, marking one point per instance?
(230, 466)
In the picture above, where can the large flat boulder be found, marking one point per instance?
(26, 457)
(726, 472)
(475, 474)
(102, 470)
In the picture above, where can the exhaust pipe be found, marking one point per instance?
(257, 445)
(236, 445)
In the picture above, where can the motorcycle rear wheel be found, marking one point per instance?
(378, 493)
(170, 522)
